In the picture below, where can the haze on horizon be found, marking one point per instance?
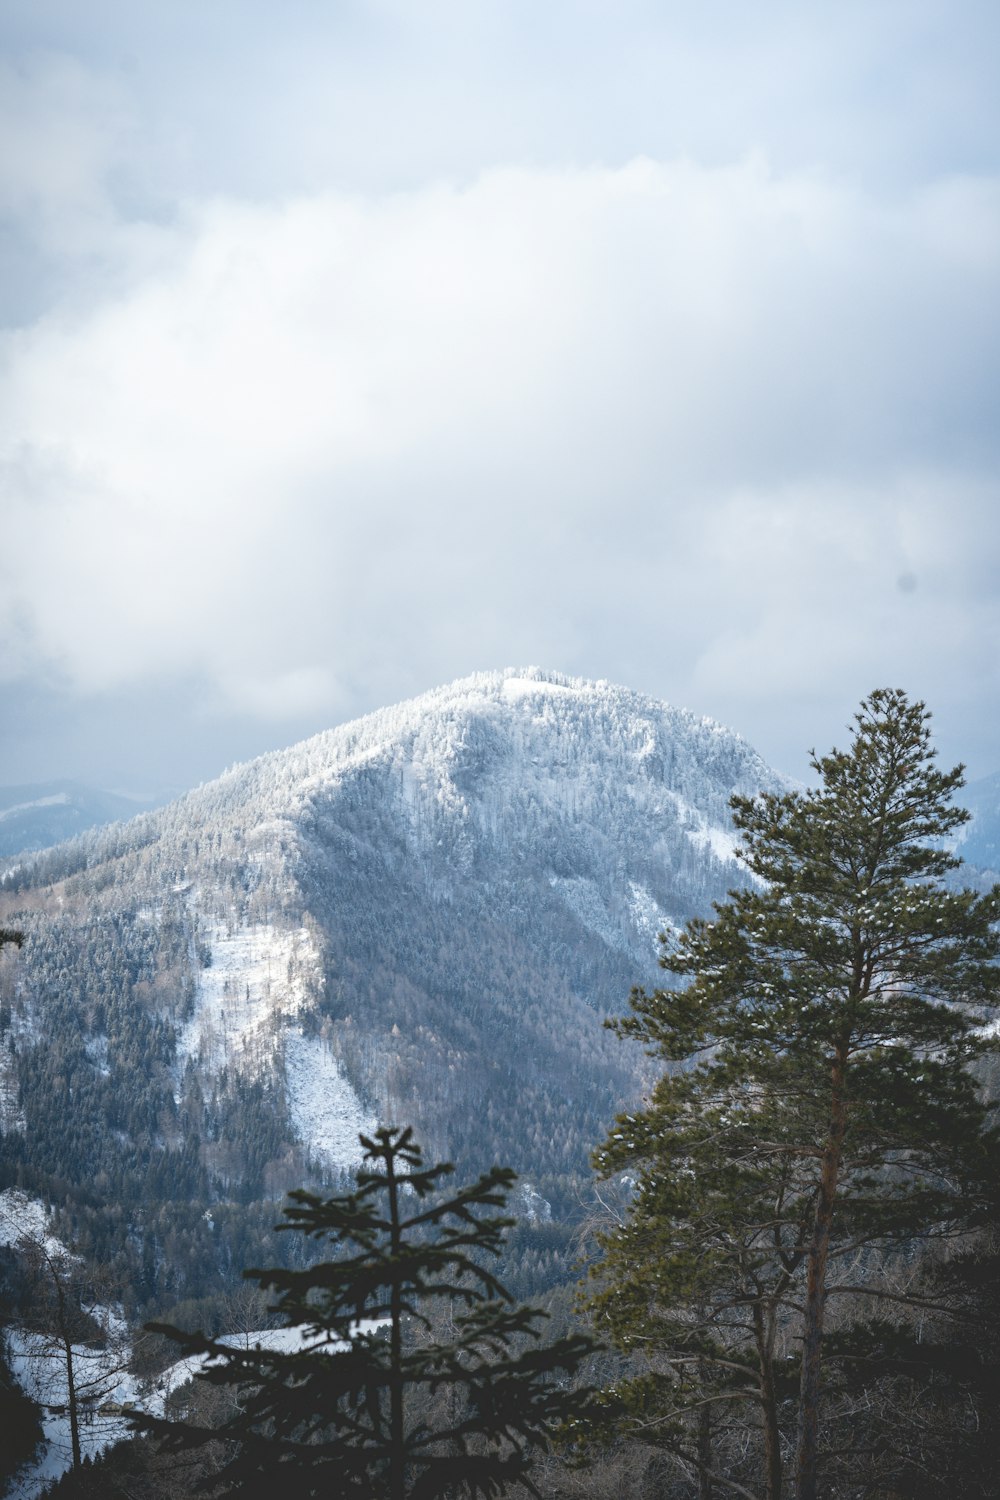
(348, 350)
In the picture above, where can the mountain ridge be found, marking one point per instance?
(41, 814)
(420, 917)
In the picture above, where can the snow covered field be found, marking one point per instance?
(257, 977)
(326, 1112)
(104, 1383)
(102, 1423)
(38, 1362)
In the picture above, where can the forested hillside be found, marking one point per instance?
(422, 917)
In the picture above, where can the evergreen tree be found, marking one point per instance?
(820, 1113)
(377, 1401)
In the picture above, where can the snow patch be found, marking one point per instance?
(257, 977)
(258, 981)
(326, 1113)
(516, 688)
(26, 1218)
(647, 915)
(721, 841)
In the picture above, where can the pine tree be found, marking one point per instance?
(385, 1397)
(820, 1114)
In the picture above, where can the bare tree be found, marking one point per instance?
(70, 1340)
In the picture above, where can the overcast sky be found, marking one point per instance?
(347, 348)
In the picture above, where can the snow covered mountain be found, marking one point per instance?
(46, 813)
(978, 842)
(420, 917)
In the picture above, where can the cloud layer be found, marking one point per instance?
(722, 431)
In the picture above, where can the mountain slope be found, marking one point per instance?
(978, 842)
(419, 917)
(46, 813)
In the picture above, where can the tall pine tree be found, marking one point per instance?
(820, 1114)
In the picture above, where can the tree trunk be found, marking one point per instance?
(71, 1402)
(704, 1451)
(815, 1303)
(66, 1340)
(397, 1453)
(769, 1407)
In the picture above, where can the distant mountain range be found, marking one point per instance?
(45, 813)
(979, 840)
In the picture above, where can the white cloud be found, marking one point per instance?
(59, 124)
(586, 416)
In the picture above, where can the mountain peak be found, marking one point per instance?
(541, 701)
(421, 915)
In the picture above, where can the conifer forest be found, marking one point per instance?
(735, 1235)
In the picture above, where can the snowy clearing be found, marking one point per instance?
(26, 1218)
(647, 915)
(326, 1113)
(153, 1398)
(113, 1390)
(257, 977)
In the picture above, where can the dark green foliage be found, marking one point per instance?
(447, 1395)
(134, 1468)
(820, 1116)
(20, 1429)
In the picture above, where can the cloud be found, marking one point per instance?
(335, 448)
